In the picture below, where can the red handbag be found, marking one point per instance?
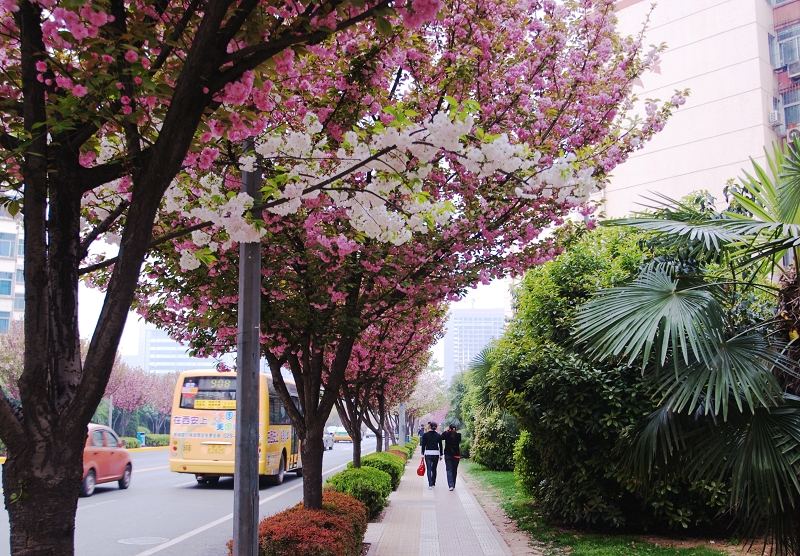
(421, 468)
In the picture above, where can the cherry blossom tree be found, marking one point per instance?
(375, 122)
(386, 359)
(105, 105)
(132, 389)
(435, 164)
(12, 349)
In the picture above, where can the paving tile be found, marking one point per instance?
(436, 522)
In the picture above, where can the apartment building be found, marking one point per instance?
(741, 61)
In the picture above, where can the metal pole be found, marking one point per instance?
(401, 426)
(245, 478)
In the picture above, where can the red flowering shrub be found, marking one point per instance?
(335, 530)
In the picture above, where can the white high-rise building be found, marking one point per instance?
(737, 58)
(12, 279)
(158, 353)
(468, 332)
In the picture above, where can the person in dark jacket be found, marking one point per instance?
(452, 454)
(431, 445)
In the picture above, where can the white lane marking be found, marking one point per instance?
(146, 469)
(207, 526)
(190, 483)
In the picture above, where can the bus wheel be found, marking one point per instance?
(275, 480)
(299, 471)
(206, 481)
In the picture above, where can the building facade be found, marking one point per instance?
(741, 61)
(12, 279)
(468, 332)
(158, 353)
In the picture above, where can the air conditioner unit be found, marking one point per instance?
(792, 133)
(774, 118)
(793, 69)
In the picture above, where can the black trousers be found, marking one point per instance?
(451, 466)
(430, 465)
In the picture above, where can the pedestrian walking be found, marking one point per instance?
(452, 454)
(421, 430)
(431, 445)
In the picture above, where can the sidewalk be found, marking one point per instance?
(422, 522)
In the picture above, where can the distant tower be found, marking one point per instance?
(158, 353)
(468, 332)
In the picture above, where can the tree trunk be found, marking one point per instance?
(312, 467)
(356, 449)
(42, 499)
(379, 441)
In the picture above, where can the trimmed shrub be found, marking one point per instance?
(399, 453)
(388, 463)
(131, 442)
(156, 439)
(493, 443)
(368, 485)
(407, 448)
(335, 530)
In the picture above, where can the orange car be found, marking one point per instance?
(105, 459)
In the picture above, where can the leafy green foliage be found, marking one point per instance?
(493, 440)
(368, 485)
(579, 415)
(388, 463)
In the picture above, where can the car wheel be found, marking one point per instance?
(125, 480)
(89, 483)
(206, 481)
(277, 479)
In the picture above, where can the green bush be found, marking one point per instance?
(388, 463)
(408, 448)
(140, 428)
(402, 454)
(156, 440)
(578, 416)
(369, 485)
(131, 442)
(465, 446)
(493, 442)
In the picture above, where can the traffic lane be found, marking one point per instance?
(169, 514)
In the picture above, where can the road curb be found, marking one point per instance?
(148, 449)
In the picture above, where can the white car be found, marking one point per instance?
(327, 441)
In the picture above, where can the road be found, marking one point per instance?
(168, 514)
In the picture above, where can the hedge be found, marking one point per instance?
(398, 452)
(369, 485)
(388, 463)
(131, 442)
(156, 440)
(335, 530)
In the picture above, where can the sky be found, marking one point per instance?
(491, 296)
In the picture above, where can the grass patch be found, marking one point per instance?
(521, 509)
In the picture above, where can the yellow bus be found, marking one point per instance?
(203, 428)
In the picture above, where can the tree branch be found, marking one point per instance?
(101, 228)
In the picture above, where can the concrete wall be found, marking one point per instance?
(719, 49)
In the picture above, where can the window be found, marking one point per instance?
(788, 45)
(21, 247)
(208, 393)
(111, 439)
(6, 283)
(773, 50)
(20, 276)
(5, 321)
(7, 242)
(19, 302)
(277, 412)
(791, 107)
(97, 439)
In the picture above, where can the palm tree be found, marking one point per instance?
(728, 389)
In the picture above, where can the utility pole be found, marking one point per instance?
(248, 352)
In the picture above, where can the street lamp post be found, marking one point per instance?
(248, 351)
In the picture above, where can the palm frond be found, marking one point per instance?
(651, 315)
(789, 190)
(740, 373)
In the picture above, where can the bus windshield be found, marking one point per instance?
(208, 393)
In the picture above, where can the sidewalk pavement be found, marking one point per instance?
(437, 522)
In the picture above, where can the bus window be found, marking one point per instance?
(277, 412)
(208, 393)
